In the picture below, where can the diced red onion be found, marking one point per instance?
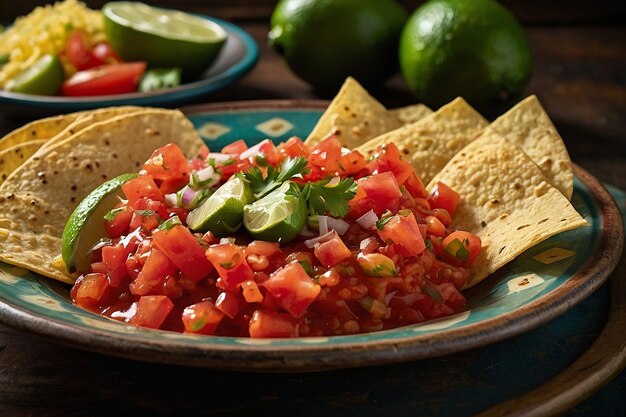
(389, 296)
(188, 196)
(367, 220)
(206, 173)
(345, 151)
(220, 158)
(227, 240)
(338, 225)
(312, 242)
(171, 200)
(323, 221)
(253, 151)
(333, 182)
(307, 233)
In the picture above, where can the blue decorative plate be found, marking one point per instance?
(521, 296)
(238, 55)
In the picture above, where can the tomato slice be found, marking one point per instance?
(78, 53)
(152, 310)
(442, 196)
(140, 187)
(184, 250)
(105, 80)
(379, 192)
(270, 324)
(292, 288)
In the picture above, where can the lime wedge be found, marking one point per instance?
(222, 213)
(277, 217)
(44, 77)
(164, 38)
(85, 227)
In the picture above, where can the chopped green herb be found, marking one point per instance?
(111, 214)
(380, 223)
(429, 244)
(456, 249)
(333, 200)
(433, 293)
(145, 213)
(169, 223)
(263, 185)
(306, 266)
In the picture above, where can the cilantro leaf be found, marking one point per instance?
(263, 185)
(332, 200)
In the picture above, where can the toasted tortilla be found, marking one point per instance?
(412, 113)
(528, 126)
(505, 200)
(39, 196)
(87, 118)
(432, 141)
(354, 117)
(13, 157)
(38, 129)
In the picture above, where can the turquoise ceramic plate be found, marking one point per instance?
(239, 54)
(523, 295)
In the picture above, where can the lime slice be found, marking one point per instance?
(44, 77)
(277, 217)
(222, 213)
(85, 227)
(162, 37)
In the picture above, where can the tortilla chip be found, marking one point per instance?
(38, 197)
(39, 129)
(432, 141)
(354, 116)
(505, 200)
(88, 118)
(528, 126)
(13, 157)
(412, 113)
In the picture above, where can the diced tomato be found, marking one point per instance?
(228, 304)
(294, 147)
(152, 310)
(147, 204)
(382, 193)
(184, 250)
(460, 248)
(251, 292)
(442, 196)
(202, 318)
(230, 262)
(415, 186)
(450, 295)
(78, 53)
(403, 230)
(169, 165)
(119, 224)
(262, 248)
(229, 170)
(435, 227)
(332, 251)
(292, 288)
(270, 324)
(326, 155)
(105, 80)
(103, 52)
(156, 268)
(270, 152)
(142, 186)
(114, 257)
(352, 163)
(443, 215)
(90, 290)
(387, 158)
(146, 219)
(235, 148)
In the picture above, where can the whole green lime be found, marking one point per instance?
(470, 48)
(325, 41)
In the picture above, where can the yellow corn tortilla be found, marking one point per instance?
(528, 126)
(505, 200)
(36, 130)
(13, 157)
(86, 119)
(354, 116)
(432, 141)
(38, 197)
(412, 113)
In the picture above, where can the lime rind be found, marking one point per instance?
(85, 226)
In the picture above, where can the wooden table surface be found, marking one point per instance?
(580, 77)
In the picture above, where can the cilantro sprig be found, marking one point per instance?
(323, 199)
(263, 185)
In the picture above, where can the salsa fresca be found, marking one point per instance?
(329, 244)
